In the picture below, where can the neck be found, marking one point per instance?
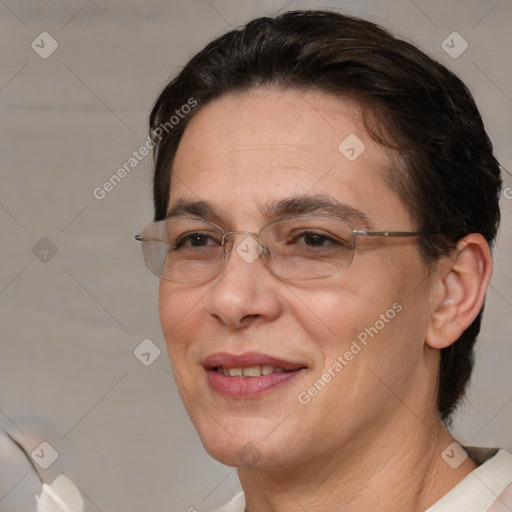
(385, 469)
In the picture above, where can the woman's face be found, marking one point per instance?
(351, 345)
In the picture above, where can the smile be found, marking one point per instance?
(249, 375)
(251, 371)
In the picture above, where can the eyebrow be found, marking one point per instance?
(300, 205)
(185, 207)
(318, 204)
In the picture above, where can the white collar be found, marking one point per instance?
(480, 489)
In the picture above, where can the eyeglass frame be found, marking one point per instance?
(354, 232)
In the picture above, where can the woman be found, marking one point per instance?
(325, 201)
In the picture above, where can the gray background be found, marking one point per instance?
(70, 321)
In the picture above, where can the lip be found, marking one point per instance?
(248, 387)
(248, 359)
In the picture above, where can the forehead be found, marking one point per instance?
(242, 152)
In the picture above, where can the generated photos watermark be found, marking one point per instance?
(137, 156)
(344, 359)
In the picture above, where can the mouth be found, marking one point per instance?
(250, 372)
(248, 375)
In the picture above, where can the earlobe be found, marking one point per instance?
(462, 285)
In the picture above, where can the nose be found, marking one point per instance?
(228, 243)
(246, 291)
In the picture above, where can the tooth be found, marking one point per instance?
(252, 371)
(235, 372)
(278, 370)
(266, 369)
(225, 371)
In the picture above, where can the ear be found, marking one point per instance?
(462, 282)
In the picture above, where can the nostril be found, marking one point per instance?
(247, 319)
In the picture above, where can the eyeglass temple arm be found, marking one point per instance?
(390, 233)
(141, 238)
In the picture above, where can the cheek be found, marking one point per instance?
(338, 310)
(179, 310)
(377, 306)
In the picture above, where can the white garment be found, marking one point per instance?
(487, 489)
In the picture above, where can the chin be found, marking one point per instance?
(243, 455)
(245, 447)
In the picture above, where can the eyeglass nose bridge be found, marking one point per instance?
(248, 233)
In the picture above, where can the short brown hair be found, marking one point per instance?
(446, 172)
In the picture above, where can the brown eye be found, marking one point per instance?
(195, 240)
(316, 239)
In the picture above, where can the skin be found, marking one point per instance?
(371, 439)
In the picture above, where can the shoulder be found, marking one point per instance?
(487, 489)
